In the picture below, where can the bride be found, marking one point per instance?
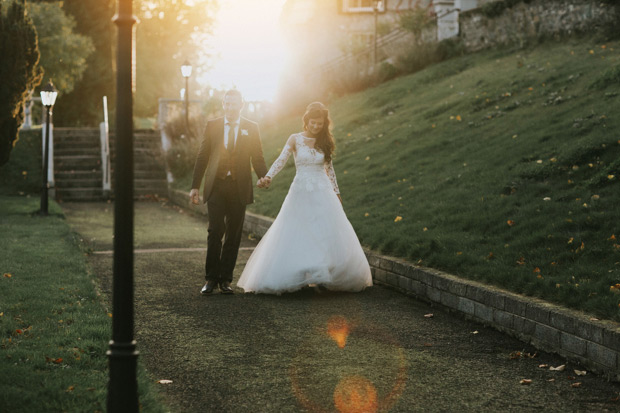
(311, 241)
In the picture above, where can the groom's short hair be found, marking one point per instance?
(233, 93)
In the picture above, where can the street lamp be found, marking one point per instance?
(377, 4)
(122, 355)
(186, 71)
(48, 98)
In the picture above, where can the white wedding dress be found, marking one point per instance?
(311, 240)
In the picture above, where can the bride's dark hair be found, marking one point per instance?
(325, 139)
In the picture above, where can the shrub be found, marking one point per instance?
(419, 57)
(181, 156)
(19, 72)
(449, 48)
(493, 9)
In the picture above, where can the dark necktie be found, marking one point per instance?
(231, 137)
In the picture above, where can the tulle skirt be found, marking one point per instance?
(310, 242)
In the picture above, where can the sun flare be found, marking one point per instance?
(247, 47)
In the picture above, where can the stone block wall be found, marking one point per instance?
(536, 19)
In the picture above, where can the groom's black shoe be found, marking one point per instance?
(208, 287)
(225, 287)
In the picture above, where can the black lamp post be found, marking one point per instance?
(377, 4)
(186, 71)
(48, 98)
(122, 354)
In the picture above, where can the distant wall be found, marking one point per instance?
(538, 18)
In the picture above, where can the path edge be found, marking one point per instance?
(593, 344)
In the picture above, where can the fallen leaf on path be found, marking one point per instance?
(429, 315)
(558, 368)
(526, 381)
(164, 381)
(581, 372)
(577, 384)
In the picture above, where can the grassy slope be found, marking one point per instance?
(462, 148)
(54, 329)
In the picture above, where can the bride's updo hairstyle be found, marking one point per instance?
(325, 139)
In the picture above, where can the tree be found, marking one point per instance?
(19, 71)
(63, 52)
(83, 106)
(169, 33)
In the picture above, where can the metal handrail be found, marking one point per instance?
(104, 134)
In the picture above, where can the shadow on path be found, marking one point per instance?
(310, 351)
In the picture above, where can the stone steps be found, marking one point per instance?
(77, 163)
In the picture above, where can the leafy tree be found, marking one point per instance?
(63, 52)
(83, 105)
(169, 33)
(19, 71)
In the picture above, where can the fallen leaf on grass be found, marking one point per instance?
(570, 377)
(7, 275)
(558, 368)
(51, 360)
(543, 366)
(428, 345)
(164, 381)
(526, 381)
(581, 372)
(70, 389)
(551, 380)
(428, 315)
(576, 384)
(475, 332)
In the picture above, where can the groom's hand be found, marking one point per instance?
(264, 182)
(194, 197)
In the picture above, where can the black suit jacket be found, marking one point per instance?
(248, 153)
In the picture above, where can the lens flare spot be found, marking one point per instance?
(355, 394)
(338, 330)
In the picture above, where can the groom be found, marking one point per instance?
(230, 144)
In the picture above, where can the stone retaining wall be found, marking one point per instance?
(536, 19)
(594, 344)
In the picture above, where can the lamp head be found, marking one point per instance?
(48, 94)
(186, 69)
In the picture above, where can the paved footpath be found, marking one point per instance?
(377, 350)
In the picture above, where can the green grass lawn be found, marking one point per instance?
(501, 166)
(54, 327)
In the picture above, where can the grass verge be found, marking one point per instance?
(54, 328)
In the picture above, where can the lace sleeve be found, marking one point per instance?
(331, 174)
(279, 163)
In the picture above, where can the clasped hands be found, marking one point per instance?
(264, 182)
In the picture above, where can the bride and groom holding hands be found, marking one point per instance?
(311, 241)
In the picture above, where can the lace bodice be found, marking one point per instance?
(310, 164)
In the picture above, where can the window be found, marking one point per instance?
(357, 6)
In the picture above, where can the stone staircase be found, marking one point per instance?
(77, 165)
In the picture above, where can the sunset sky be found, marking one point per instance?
(248, 48)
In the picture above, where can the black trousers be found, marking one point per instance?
(226, 216)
